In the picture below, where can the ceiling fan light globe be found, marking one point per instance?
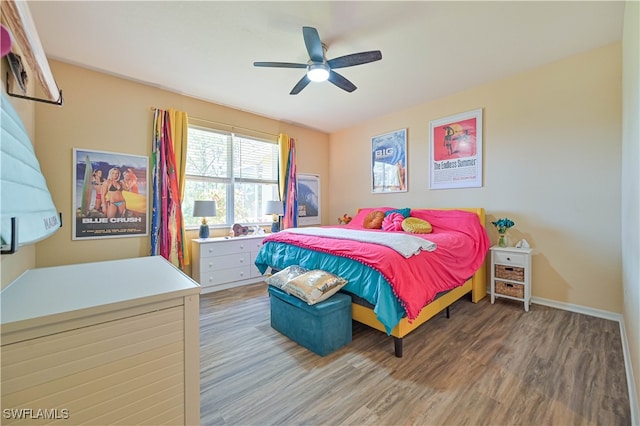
(318, 72)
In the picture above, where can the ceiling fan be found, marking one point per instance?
(321, 69)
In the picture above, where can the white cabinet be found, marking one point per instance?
(221, 263)
(511, 274)
(113, 342)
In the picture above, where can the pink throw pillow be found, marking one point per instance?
(392, 222)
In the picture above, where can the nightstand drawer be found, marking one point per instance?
(510, 289)
(509, 272)
(510, 259)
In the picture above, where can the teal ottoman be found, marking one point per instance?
(322, 328)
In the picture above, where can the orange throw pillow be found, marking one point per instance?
(374, 220)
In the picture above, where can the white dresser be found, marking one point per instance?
(221, 263)
(113, 342)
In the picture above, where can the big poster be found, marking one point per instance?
(109, 194)
(389, 162)
(456, 151)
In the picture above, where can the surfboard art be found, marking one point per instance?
(87, 187)
(24, 194)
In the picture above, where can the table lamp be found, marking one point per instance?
(204, 209)
(274, 208)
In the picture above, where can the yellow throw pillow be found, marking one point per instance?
(314, 286)
(416, 225)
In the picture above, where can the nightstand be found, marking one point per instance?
(511, 274)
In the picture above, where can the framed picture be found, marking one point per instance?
(309, 199)
(389, 162)
(456, 151)
(109, 194)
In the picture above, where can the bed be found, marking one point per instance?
(392, 292)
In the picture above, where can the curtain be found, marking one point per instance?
(287, 180)
(179, 136)
(167, 226)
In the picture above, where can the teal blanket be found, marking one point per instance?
(364, 281)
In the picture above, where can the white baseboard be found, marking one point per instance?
(599, 313)
(633, 395)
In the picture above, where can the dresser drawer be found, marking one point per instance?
(225, 276)
(255, 272)
(211, 264)
(229, 247)
(509, 273)
(510, 259)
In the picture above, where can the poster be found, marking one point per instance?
(389, 162)
(456, 151)
(109, 194)
(309, 199)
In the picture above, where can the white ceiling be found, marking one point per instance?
(206, 49)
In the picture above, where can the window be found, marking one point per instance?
(239, 172)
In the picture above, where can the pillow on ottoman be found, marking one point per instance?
(314, 286)
(279, 279)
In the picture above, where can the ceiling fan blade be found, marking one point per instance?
(300, 85)
(355, 59)
(279, 65)
(313, 43)
(341, 82)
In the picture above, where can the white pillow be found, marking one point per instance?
(314, 286)
(279, 279)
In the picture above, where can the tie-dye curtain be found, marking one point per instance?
(288, 181)
(167, 226)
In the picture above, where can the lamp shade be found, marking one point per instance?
(204, 208)
(273, 207)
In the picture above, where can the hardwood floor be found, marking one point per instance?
(486, 365)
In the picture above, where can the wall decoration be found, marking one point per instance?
(309, 199)
(389, 162)
(109, 194)
(456, 151)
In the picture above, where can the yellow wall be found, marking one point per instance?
(107, 113)
(631, 186)
(551, 163)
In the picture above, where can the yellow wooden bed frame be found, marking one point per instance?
(477, 285)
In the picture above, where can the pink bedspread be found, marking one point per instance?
(462, 244)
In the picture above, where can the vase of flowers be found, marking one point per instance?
(503, 225)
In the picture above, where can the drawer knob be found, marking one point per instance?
(509, 259)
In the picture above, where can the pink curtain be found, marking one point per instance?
(288, 181)
(167, 236)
